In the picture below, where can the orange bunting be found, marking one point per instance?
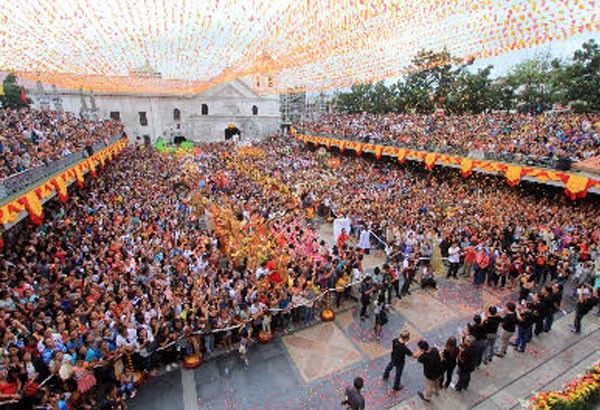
(577, 186)
(466, 167)
(401, 155)
(61, 188)
(430, 160)
(358, 149)
(378, 151)
(32, 204)
(513, 175)
(91, 163)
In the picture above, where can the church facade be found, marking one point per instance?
(200, 117)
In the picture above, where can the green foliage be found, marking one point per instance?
(12, 93)
(531, 81)
(472, 92)
(160, 145)
(582, 78)
(436, 79)
(186, 145)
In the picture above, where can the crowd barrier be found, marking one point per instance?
(521, 159)
(32, 199)
(576, 186)
(18, 182)
(306, 303)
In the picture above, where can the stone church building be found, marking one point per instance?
(200, 117)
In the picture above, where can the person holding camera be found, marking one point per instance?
(491, 324)
(380, 315)
(408, 273)
(466, 362)
(366, 288)
(539, 312)
(509, 325)
(553, 299)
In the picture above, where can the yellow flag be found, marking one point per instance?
(1, 89)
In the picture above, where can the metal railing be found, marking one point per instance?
(16, 183)
(516, 158)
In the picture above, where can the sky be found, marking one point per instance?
(563, 50)
(316, 44)
(502, 64)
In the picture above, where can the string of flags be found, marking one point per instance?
(165, 47)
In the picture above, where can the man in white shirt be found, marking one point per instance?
(454, 259)
(261, 270)
(364, 243)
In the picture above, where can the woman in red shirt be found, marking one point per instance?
(8, 387)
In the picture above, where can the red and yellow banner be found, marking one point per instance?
(32, 200)
(576, 186)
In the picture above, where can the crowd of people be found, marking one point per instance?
(30, 138)
(487, 336)
(511, 137)
(143, 268)
(162, 257)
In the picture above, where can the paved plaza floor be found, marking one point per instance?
(309, 369)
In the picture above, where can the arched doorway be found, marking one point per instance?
(231, 131)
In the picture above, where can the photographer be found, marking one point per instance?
(408, 274)
(509, 323)
(539, 312)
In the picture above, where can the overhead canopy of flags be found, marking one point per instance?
(178, 47)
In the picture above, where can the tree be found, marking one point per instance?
(531, 82)
(431, 79)
(437, 79)
(12, 93)
(380, 98)
(398, 92)
(581, 79)
(471, 92)
(355, 101)
(504, 95)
